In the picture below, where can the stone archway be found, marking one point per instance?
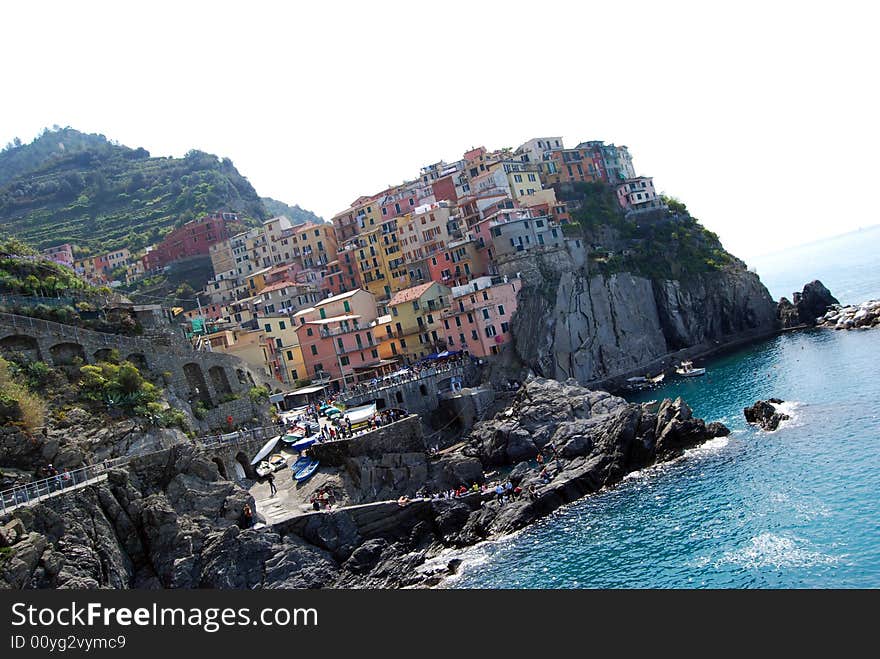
(242, 461)
(139, 360)
(220, 467)
(66, 353)
(219, 380)
(105, 355)
(20, 348)
(198, 387)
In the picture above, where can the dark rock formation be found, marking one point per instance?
(763, 413)
(170, 521)
(572, 323)
(806, 307)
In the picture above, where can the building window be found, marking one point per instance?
(268, 328)
(474, 335)
(290, 355)
(309, 331)
(281, 325)
(485, 314)
(343, 360)
(500, 309)
(314, 349)
(490, 331)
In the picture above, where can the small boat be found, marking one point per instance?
(266, 450)
(641, 382)
(304, 443)
(687, 370)
(300, 464)
(657, 379)
(274, 463)
(306, 471)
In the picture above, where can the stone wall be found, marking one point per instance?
(181, 368)
(404, 436)
(416, 396)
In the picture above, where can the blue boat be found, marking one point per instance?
(300, 464)
(304, 443)
(306, 471)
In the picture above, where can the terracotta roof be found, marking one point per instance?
(277, 286)
(409, 294)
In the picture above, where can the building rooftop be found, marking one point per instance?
(337, 298)
(409, 294)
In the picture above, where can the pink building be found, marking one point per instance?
(478, 320)
(638, 194)
(62, 254)
(338, 338)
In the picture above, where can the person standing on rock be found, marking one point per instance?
(272, 488)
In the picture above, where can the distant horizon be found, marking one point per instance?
(815, 241)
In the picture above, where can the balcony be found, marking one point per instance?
(343, 329)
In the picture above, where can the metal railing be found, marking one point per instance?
(363, 389)
(64, 482)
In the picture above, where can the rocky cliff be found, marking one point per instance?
(575, 322)
(170, 521)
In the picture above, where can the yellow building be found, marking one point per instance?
(247, 345)
(415, 316)
(315, 243)
(283, 351)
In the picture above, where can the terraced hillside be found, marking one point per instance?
(67, 186)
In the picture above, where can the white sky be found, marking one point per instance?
(762, 117)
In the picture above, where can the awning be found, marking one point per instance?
(306, 390)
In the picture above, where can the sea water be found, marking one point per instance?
(794, 508)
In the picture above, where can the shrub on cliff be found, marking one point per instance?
(18, 405)
(118, 386)
(259, 394)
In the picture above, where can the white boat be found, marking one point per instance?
(274, 463)
(266, 450)
(360, 414)
(687, 370)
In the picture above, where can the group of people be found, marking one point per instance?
(322, 498)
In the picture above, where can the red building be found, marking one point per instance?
(192, 239)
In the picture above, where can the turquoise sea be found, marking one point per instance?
(796, 508)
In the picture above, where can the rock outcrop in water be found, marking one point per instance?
(764, 414)
(862, 316)
(170, 521)
(806, 307)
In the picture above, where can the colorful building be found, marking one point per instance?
(478, 319)
(62, 254)
(415, 314)
(194, 238)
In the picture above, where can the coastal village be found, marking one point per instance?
(324, 412)
(397, 278)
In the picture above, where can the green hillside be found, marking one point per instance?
(68, 186)
(295, 213)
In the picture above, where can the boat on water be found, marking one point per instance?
(641, 382)
(306, 471)
(687, 370)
